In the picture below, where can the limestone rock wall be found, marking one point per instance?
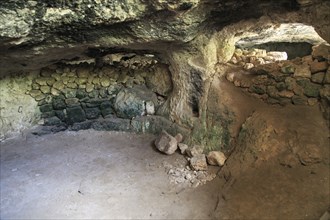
(18, 111)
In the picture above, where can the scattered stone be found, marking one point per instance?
(183, 148)
(288, 69)
(194, 151)
(198, 162)
(216, 158)
(166, 143)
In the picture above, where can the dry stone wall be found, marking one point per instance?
(119, 90)
(302, 81)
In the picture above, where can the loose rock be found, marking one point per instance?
(198, 162)
(166, 143)
(216, 158)
(183, 148)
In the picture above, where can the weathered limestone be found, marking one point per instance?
(166, 143)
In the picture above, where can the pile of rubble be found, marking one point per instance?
(195, 173)
(249, 58)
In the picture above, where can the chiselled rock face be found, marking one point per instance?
(91, 58)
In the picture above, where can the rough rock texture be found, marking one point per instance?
(166, 143)
(18, 111)
(216, 158)
(191, 37)
(198, 162)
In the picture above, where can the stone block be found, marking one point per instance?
(310, 89)
(70, 102)
(92, 113)
(52, 121)
(318, 77)
(59, 104)
(302, 71)
(106, 108)
(75, 114)
(319, 66)
(198, 162)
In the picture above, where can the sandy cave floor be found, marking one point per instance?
(96, 175)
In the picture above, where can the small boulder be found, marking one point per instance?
(183, 148)
(166, 143)
(194, 151)
(198, 162)
(216, 158)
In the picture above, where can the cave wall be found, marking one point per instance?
(18, 111)
(194, 38)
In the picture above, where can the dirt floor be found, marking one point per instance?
(280, 168)
(96, 175)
